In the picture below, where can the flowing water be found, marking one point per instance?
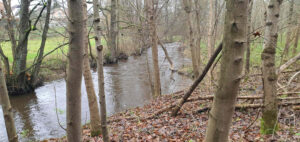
(126, 86)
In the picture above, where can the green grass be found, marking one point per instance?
(34, 45)
(256, 50)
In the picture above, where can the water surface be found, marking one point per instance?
(126, 86)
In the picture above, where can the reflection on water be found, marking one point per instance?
(126, 86)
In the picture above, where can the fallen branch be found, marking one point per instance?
(288, 63)
(211, 97)
(198, 80)
(296, 107)
(167, 55)
(246, 106)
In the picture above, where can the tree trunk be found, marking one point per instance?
(296, 40)
(102, 95)
(198, 42)
(74, 69)
(269, 117)
(289, 33)
(7, 110)
(187, 8)
(9, 26)
(152, 21)
(99, 48)
(234, 45)
(92, 99)
(248, 52)
(5, 61)
(211, 35)
(113, 32)
(36, 69)
(19, 64)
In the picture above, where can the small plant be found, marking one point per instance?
(25, 133)
(60, 111)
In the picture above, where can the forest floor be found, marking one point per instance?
(140, 124)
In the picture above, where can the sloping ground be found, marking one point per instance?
(140, 124)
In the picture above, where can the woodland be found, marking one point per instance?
(150, 70)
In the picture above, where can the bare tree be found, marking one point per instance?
(99, 47)
(248, 51)
(92, 99)
(113, 32)
(211, 34)
(234, 44)
(153, 33)
(74, 70)
(188, 9)
(7, 110)
(39, 58)
(290, 30)
(269, 117)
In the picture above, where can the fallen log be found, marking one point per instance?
(247, 106)
(197, 81)
(210, 97)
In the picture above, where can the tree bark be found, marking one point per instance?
(269, 117)
(113, 32)
(36, 69)
(19, 64)
(74, 69)
(7, 110)
(99, 47)
(296, 40)
(152, 21)
(289, 33)
(234, 45)
(198, 41)
(92, 99)
(5, 61)
(102, 95)
(248, 51)
(211, 35)
(188, 9)
(9, 26)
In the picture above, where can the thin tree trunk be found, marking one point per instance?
(152, 21)
(74, 69)
(39, 59)
(198, 42)
(211, 35)
(296, 40)
(289, 33)
(113, 32)
(187, 8)
(269, 77)
(7, 110)
(5, 61)
(99, 47)
(92, 99)
(234, 45)
(248, 51)
(102, 95)
(9, 26)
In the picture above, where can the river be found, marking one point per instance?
(126, 86)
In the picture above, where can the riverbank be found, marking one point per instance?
(140, 124)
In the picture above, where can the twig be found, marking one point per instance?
(56, 111)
